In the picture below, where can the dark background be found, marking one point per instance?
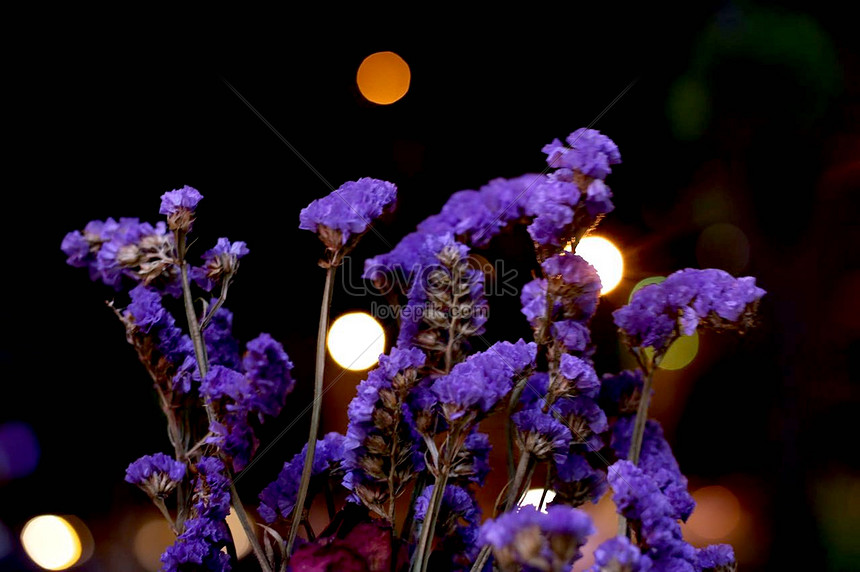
(746, 114)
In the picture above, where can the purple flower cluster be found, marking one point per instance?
(657, 461)
(480, 382)
(572, 287)
(445, 297)
(589, 152)
(542, 435)
(220, 261)
(475, 217)
(222, 348)
(619, 554)
(348, 211)
(156, 474)
(381, 440)
(204, 535)
(577, 482)
(684, 301)
(639, 499)
(279, 496)
(716, 558)
(238, 396)
(548, 540)
(178, 205)
(145, 315)
(137, 251)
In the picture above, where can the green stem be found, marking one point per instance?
(409, 521)
(316, 407)
(482, 558)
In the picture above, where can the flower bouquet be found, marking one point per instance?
(400, 484)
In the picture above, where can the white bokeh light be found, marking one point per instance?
(51, 542)
(355, 341)
(606, 259)
(533, 497)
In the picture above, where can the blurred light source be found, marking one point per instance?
(533, 496)
(240, 539)
(19, 450)
(717, 514)
(150, 541)
(383, 77)
(681, 353)
(606, 259)
(725, 246)
(645, 282)
(355, 341)
(51, 542)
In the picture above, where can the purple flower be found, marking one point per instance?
(481, 381)
(261, 390)
(221, 347)
(279, 497)
(581, 376)
(573, 335)
(590, 152)
(639, 498)
(553, 205)
(716, 558)
(219, 262)
(156, 474)
(619, 394)
(585, 419)
(206, 532)
(348, 211)
(687, 299)
(619, 554)
(381, 425)
(177, 200)
(530, 538)
(267, 368)
(657, 461)
(533, 299)
(541, 434)
(179, 205)
(577, 481)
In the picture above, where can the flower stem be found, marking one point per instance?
(648, 368)
(203, 366)
(316, 407)
(641, 418)
(159, 504)
(514, 491)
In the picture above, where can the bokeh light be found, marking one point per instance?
(725, 246)
(383, 77)
(150, 541)
(681, 353)
(606, 259)
(717, 513)
(645, 282)
(19, 450)
(533, 497)
(51, 542)
(355, 341)
(240, 539)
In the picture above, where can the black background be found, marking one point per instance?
(101, 120)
